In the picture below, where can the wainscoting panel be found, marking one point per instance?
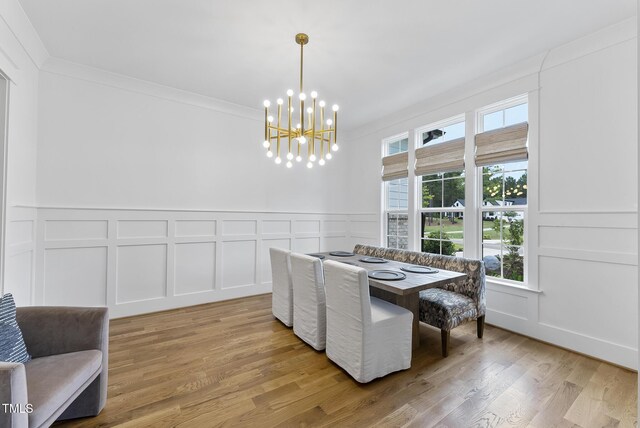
(186, 228)
(238, 263)
(240, 227)
(19, 275)
(142, 229)
(139, 261)
(75, 276)
(142, 272)
(195, 266)
(73, 230)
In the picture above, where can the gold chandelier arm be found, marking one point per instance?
(335, 127)
(313, 126)
(266, 123)
(278, 134)
(301, 63)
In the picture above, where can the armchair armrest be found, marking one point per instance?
(52, 330)
(13, 395)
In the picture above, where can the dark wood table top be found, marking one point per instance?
(413, 283)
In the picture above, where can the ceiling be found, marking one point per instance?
(373, 57)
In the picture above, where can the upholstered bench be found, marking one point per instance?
(448, 306)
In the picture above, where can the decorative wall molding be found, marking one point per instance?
(605, 38)
(16, 20)
(139, 261)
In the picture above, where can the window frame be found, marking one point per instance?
(460, 118)
(386, 211)
(479, 119)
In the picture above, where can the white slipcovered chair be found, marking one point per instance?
(366, 336)
(282, 290)
(309, 304)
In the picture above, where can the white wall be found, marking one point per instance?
(582, 220)
(108, 141)
(151, 198)
(21, 54)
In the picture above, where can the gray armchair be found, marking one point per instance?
(67, 376)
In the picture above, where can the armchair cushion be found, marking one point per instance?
(12, 347)
(446, 309)
(55, 381)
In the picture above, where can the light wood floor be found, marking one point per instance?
(231, 364)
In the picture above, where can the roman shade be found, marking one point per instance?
(502, 145)
(442, 157)
(395, 166)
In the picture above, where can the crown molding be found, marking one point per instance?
(609, 36)
(126, 83)
(523, 75)
(18, 23)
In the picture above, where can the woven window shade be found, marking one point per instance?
(502, 145)
(395, 166)
(443, 157)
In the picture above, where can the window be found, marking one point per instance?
(504, 200)
(442, 197)
(397, 201)
(398, 146)
(491, 224)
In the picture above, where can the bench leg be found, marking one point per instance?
(444, 334)
(480, 326)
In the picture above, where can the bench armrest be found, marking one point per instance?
(13, 395)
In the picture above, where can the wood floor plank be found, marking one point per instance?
(232, 364)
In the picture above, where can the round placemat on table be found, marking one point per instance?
(373, 260)
(342, 254)
(419, 269)
(386, 275)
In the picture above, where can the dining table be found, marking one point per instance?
(403, 292)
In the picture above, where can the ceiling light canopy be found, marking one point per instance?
(320, 136)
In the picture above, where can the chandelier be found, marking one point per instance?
(319, 136)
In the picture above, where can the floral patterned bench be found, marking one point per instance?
(449, 306)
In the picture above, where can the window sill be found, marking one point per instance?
(498, 282)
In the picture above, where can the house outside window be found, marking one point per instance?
(496, 182)
(396, 200)
(442, 196)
